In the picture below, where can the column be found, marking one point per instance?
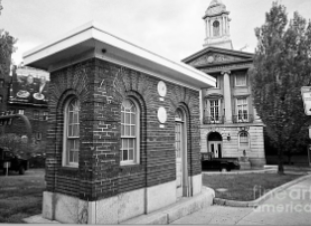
(201, 107)
(227, 97)
(207, 28)
(211, 28)
(223, 25)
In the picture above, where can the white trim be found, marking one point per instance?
(93, 31)
(136, 161)
(65, 137)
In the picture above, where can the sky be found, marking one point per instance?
(171, 28)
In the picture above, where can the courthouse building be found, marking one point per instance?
(230, 125)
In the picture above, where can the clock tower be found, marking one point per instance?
(217, 26)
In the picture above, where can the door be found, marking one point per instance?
(181, 154)
(178, 151)
(216, 148)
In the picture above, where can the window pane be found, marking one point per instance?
(133, 118)
(127, 130)
(125, 155)
(131, 154)
(131, 143)
(127, 118)
(133, 130)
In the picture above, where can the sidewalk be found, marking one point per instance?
(291, 206)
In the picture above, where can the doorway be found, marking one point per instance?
(181, 154)
(214, 141)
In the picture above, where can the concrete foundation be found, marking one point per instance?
(67, 209)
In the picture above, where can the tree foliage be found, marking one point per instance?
(282, 65)
(6, 49)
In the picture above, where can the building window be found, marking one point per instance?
(1, 83)
(21, 112)
(240, 80)
(45, 116)
(243, 140)
(71, 133)
(130, 118)
(214, 110)
(216, 28)
(242, 110)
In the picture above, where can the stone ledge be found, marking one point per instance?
(182, 208)
(257, 202)
(167, 215)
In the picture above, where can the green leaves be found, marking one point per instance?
(282, 64)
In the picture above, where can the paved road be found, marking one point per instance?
(289, 207)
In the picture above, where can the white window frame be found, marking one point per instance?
(240, 82)
(65, 161)
(244, 140)
(136, 137)
(244, 106)
(214, 111)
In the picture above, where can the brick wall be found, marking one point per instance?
(101, 87)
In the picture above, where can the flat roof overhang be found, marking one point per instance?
(90, 40)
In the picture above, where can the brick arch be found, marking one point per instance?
(64, 97)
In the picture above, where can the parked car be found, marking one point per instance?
(12, 161)
(209, 162)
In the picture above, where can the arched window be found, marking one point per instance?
(130, 118)
(216, 28)
(243, 139)
(71, 144)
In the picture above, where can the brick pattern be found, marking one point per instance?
(101, 86)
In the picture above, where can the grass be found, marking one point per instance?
(21, 196)
(242, 186)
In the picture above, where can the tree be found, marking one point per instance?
(281, 66)
(6, 49)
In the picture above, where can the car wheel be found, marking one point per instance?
(21, 170)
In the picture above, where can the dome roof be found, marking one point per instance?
(215, 7)
(215, 3)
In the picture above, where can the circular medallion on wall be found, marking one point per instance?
(162, 115)
(210, 59)
(162, 89)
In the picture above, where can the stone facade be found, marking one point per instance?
(222, 110)
(230, 126)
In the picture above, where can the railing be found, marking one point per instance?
(213, 120)
(242, 118)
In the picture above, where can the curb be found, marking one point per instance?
(240, 172)
(257, 202)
